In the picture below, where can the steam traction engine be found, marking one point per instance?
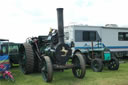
(47, 53)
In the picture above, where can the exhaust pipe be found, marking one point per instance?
(60, 25)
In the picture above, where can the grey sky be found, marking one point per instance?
(20, 19)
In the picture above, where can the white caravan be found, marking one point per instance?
(113, 37)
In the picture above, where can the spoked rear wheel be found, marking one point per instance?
(79, 70)
(113, 64)
(47, 69)
(26, 59)
(97, 65)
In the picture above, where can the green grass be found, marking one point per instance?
(106, 77)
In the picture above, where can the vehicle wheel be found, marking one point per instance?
(113, 64)
(97, 65)
(79, 69)
(47, 69)
(26, 58)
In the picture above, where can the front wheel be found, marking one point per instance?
(47, 69)
(113, 64)
(97, 65)
(79, 69)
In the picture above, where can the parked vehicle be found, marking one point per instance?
(13, 52)
(49, 53)
(113, 37)
(90, 41)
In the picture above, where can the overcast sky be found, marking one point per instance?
(20, 19)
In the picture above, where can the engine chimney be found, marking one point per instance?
(60, 25)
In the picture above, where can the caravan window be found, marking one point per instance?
(83, 35)
(89, 36)
(123, 36)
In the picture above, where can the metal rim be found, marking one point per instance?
(113, 64)
(44, 70)
(96, 64)
(77, 69)
(47, 69)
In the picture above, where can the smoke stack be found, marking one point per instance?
(60, 25)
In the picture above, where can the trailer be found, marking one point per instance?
(113, 37)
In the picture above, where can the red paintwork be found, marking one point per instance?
(6, 72)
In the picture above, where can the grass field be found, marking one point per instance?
(106, 77)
